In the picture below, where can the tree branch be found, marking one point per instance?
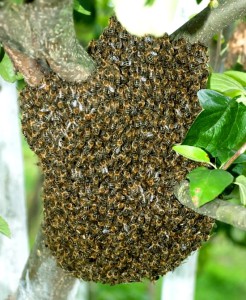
(50, 41)
(208, 22)
(42, 278)
(219, 210)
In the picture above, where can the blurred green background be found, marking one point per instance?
(221, 271)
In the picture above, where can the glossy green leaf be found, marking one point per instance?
(241, 182)
(238, 76)
(198, 1)
(7, 70)
(239, 169)
(225, 84)
(221, 125)
(79, 8)
(193, 153)
(212, 100)
(224, 154)
(206, 185)
(4, 227)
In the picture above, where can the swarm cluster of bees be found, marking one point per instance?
(105, 149)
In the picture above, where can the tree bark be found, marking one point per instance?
(43, 279)
(52, 39)
(51, 42)
(13, 251)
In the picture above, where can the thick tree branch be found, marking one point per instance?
(44, 31)
(52, 39)
(208, 22)
(220, 210)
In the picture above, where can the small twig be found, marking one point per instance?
(234, 157)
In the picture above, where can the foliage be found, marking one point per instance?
(241, 182)
(191, 152)
(218, 138)
(7, 70)
(206, 184)
(230, 84)
(4, 227)
(149, 2)
(221, 124)
(77, 6)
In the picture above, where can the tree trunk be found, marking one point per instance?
(43, 279)
(13, 251)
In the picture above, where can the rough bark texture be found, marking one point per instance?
(51, 41)
(43, 279)
(13, 251)
(220, 210)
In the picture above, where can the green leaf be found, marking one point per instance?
(206, 185)
(239, 169)
(79, 8)
(198, 1)
(242, 99)
(241, 182)
(211, 100)
(225, 84)
(7, 70)
(149, 2)
(224, 154)
(4, 227)
(193, 153)
(238, 76)
(221, 125)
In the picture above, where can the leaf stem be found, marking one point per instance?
(211, 164)
(234, 157)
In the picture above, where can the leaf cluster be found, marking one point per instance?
(218, 138)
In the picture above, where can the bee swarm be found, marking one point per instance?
(105, 147)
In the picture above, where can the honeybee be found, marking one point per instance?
(106, 137)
